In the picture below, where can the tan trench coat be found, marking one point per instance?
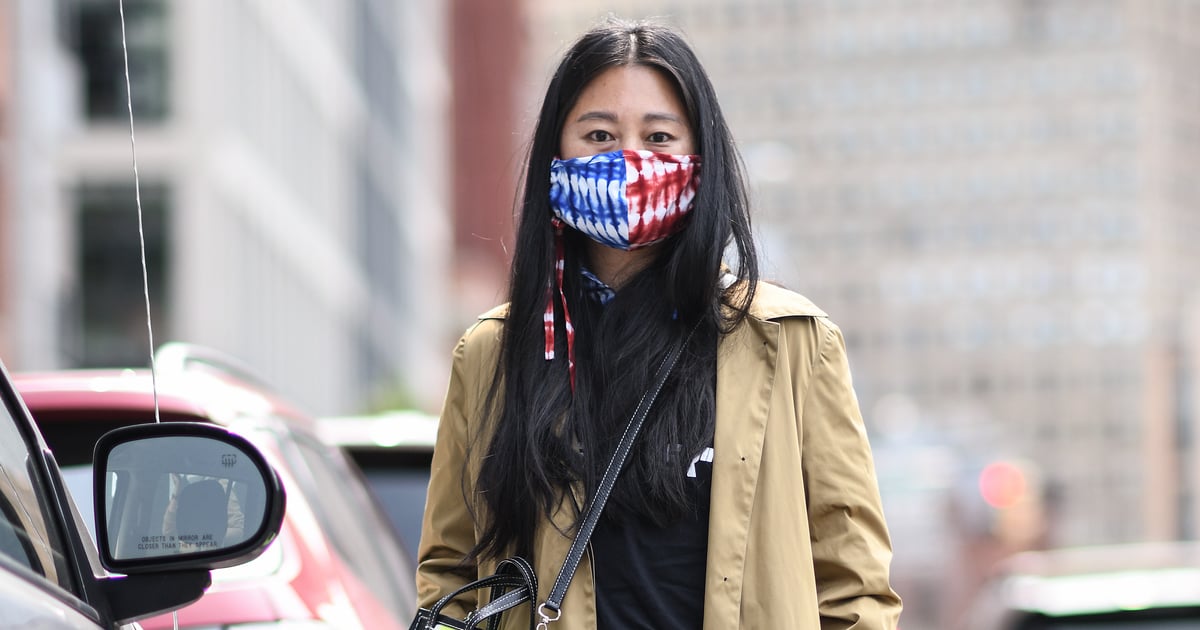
(797, 539)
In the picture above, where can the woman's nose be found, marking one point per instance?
(636, 144)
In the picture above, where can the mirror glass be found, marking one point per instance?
(177, 495)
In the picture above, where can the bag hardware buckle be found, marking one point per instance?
(546, 619)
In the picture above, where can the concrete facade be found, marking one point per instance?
(302, 157)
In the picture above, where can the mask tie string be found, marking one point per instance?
(548, 317)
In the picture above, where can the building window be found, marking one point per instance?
(111, 300)
(97, 37)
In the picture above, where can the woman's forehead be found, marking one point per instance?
(629, 90)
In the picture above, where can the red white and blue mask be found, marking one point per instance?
(624, 199)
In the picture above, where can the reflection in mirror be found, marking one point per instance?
(175, 495)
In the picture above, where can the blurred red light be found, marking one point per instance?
(1002, 484)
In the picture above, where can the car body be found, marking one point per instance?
(337, 564)
(394, 451)
(1146, 586)
(51, 574)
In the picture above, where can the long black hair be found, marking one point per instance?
(550, 440)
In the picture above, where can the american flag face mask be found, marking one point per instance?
(624, 199)
(621, 199)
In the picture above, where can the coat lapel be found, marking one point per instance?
(745, 375)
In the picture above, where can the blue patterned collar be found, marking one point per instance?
(595, 288)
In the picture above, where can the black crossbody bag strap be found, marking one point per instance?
(551, 609)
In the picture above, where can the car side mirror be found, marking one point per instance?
(182, 495)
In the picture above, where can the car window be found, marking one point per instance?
(400, 480)
(27, 532)
(364, 540)
(78, 480)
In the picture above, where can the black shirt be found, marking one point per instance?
(650, 577)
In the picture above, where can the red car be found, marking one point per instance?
(337, 562)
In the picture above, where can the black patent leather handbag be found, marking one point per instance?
(514, 582)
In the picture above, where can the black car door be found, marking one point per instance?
(42, 559)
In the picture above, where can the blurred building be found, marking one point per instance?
(5, 167)
(996, 200)
(293, 186)
(487, 46)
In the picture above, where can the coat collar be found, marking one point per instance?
(772, 301)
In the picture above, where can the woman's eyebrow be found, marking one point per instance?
(662, 116)
(597, 115)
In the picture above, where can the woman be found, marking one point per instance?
(749, 500)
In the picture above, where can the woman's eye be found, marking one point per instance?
(600, 135)
(660, 137)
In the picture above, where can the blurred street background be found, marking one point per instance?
(997, 200)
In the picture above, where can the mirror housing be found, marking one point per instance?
(182, 495)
